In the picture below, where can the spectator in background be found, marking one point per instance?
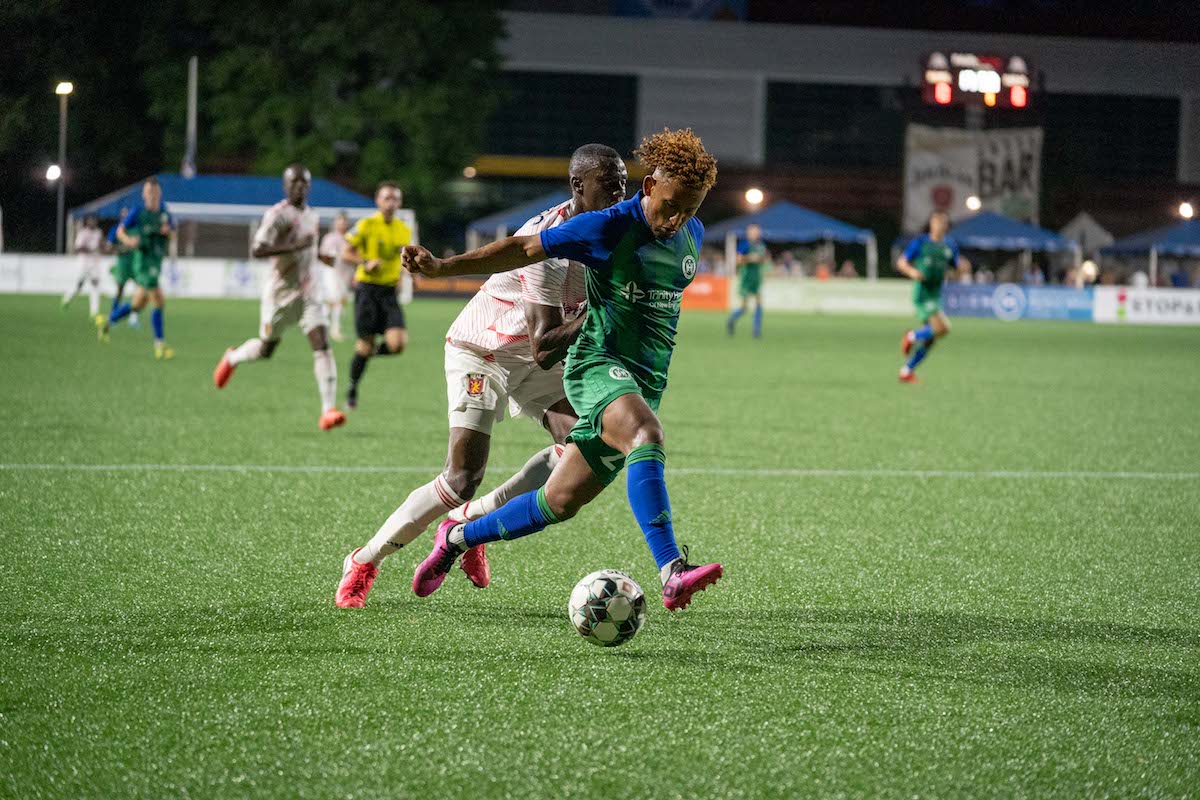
(823, 271)
(1034, 276)
(1179, 278)
(87, 249)
(788, 263)
(847, 270)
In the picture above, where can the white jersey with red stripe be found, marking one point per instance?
(493, 322)
(285, 224)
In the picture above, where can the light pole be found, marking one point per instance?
(63, 90)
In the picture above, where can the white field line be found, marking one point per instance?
(704, 471)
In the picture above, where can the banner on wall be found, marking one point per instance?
(1008, 301)
(1122, 304)
(945, 166)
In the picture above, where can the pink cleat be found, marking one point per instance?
(686, 580)
(356, 582)
(906, 344)
(433, 570)
(907, 375)
(224, 370)
(475, 564)
(331, 419)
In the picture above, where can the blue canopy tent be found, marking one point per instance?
(1180, 239)
(990, 231)
(228, 200)
(787, 222)
(502, 223)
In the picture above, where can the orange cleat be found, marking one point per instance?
(908, 376)
(331, 419)
(906, 345)
(223, 371)
(475, 564)
(356, 583)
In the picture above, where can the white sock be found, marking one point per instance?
(423, 506)
(335, 314)
(532, 476)
(326, 371)
(94, 299)
(249, 350)
(133, 318)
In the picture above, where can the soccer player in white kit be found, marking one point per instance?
(87, 249)
(503, 352)
(337, 278)
(291, 292)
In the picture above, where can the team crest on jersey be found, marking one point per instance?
(618, 373)
(475, 384)
(689, 267)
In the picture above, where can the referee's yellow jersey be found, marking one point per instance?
(374, 238)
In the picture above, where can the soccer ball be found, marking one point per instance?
(607, 608)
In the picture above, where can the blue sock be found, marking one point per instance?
(735, 316)
(156, 321)
(519, 517)
(758, 320)
(919, 355)
(119, 313)
(923, 333)
(647, 488)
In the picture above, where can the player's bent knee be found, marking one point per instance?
(649, 433)
(464, 481)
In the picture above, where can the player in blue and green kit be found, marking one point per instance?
(752, 259)
(146, 231)
(640, 255)
(926, 260)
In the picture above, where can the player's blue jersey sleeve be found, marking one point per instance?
(588, 238)
(953, 252)
(697, 229)
(112, 235)
(131, 218)
(914, 249)
(743, 247)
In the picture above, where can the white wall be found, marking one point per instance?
(183, 277)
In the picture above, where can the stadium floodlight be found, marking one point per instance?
(469, 172)
(754, 196)
(974, 203)
(1186, 211)
(64, 87)
(53, 172)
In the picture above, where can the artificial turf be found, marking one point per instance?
(984, 585)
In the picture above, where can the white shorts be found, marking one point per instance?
(481, 389)
(283, 308)
(335, 282)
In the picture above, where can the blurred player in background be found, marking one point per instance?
(147, 231)
(926, 260)
(752, 259)
(504, 350)
(121, 270)
(88, 242)
(338, 276)
(640, 255)
(292, 292)
(374, 248)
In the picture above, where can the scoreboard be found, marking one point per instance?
(972, 79)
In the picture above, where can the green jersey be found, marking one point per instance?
(634, 286)
(933, 260)
(147, 226)
(750, 271)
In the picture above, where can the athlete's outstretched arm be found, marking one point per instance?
(499, 256)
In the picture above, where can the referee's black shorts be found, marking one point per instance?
(376, 309)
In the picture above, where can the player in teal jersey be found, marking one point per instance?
(640, 255)
(146, 231)
(926, 261)
(752, 259)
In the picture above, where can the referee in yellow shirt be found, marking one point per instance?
(374, 244)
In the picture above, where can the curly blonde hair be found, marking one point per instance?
(680, 155)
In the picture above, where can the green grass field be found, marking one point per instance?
(985, 585)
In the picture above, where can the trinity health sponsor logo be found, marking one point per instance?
(653, 298)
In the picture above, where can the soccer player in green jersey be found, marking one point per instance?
(146, 231)
(640, 255)
(752, 259)
(926, 260)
